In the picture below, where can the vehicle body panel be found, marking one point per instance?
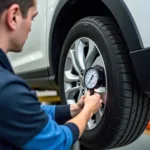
(50, 17)
(34, 52)
(141, 64)
(140, 11)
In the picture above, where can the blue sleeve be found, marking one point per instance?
(59, 113)
(54, 137)
(50, 110)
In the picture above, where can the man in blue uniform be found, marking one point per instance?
(24, 122)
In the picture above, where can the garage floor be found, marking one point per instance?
(143, 143)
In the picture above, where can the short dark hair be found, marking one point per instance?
(24, 5)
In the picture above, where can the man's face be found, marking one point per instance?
(22, 27)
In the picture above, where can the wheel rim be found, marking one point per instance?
(82, 55)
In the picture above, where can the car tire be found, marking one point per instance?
(128, 108)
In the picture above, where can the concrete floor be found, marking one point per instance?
(143, 143)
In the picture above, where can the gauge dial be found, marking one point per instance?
(91, 78)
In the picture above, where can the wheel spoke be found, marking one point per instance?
(71, 101)
(102, 91)
(79, 49)
(69, 77)
(104, 97)
(92, 52)
(70, 93)
(80, 94)
(99, 61)
(74, 61)
(67, 85)
(98, 117)
(90, 124)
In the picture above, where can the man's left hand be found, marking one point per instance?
(75, 109)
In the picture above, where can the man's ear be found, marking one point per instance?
(12, 16)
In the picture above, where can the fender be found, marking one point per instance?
(126, 23)
(121, 14)
(57, 11)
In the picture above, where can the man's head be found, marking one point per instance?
(15, 23)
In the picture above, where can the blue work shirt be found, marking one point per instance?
(24, 122)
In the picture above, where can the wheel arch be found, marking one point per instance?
(126, 23)
(66, 15)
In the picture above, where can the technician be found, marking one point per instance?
(24, 122)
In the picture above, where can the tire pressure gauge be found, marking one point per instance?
(94, 78)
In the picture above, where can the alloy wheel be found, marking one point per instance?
(82, 55)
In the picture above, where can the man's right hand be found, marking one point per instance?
(92, 103)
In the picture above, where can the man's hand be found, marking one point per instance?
(92, 103)
(80, 103)
(75, 109)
